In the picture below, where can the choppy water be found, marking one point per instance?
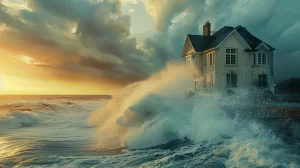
(55, 133)
(151, 124)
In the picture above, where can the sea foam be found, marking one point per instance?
(155, 111)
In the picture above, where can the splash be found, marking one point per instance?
(156, 111)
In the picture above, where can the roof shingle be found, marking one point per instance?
(202, 43)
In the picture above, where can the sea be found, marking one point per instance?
(149, 124)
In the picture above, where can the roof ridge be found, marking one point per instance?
(223, 28)
(238, 27)
(194, 35)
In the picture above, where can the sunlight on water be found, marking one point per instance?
(152, 123)
(9, 149)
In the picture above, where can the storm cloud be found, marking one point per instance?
(275, 22)
(93, 34)
(93, 37)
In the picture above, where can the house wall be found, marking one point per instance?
(208, 72)
(192, 61)
(247, 73)
(263, 69)
(213, 77)
(205, 82)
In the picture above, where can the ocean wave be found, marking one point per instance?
(29, 113)
(156, 112)
(18, 119)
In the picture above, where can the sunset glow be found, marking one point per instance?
(53, 47)
(22, 74)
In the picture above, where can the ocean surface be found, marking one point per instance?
(57, 132)
(149, 124)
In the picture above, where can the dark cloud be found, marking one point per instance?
(91, 38)
(63, 32)
(275, 22)
(94, 63)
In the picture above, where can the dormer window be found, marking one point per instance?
(260, 58)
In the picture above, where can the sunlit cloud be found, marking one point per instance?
(26, 59)
(2, 27)
(131, 11)
(104, 41)
(31, 61)
(15, 6)
(130, 1)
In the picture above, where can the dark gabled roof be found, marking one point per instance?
(252, 41)
(202, 43)
(221, 35)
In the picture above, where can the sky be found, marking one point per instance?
(99, 46)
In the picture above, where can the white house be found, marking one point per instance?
(230, 58)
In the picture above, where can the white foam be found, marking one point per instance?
(18, 119)
(154, 112)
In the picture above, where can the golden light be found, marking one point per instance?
(24, 75)
(26, 59)
(8, 149)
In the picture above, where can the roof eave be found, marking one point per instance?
(187, 37)
(208, 50)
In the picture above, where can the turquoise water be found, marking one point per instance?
(163, 132)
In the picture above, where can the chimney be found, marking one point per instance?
(206, 29)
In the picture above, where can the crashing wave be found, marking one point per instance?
(18, 119)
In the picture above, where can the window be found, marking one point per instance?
(187, 62)
(214, 60)
(210, 59)
(230, 56)
(196, 85)
(204, 61)
(254, 59)
(204, 81)
(231, 80)
(263, 80)
(262, 59)
(211, 80)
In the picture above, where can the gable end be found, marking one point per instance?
(242, 40)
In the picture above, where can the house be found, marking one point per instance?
(230, 58)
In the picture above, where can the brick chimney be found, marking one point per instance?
(206, 29)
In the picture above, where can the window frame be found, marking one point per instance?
(204, 81)
(187, 62)
(229, 56)
(262, 58)
(261, 82)
(229, 83)
(212, 84)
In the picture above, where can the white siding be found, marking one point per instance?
(209, 72)
(242, 67)
(247, 73)
(213, 77)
